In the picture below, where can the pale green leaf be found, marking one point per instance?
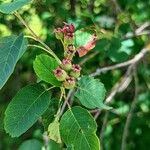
(9, 8)
(91, 92)
(82, 37)
(25, 109)
(44, 66)
(53, 131)
(11, 49)
(32, 143)
(78, 130)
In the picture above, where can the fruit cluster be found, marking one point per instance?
(67, 72)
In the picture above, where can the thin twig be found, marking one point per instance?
(35, 37)
(115, 90)
(89, 57)
(136, 34)
(117, 6)
(130, 116)
(40, 47)
(65, 102)
(45, 139)
(134, 60)
(143, 27)
(103, 128)
(139, 31)
(119, 84)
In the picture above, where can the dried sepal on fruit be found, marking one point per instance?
(60, 74)
(69, 83)
(58, 33)
(66, 64)
(75, 72)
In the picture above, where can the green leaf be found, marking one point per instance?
(35, 144)
(70, 148)
(53, 146)
(78, 129)
(44, 66)
(118, 50)
(9, 8)
(91, 93)
(49, 115)
(11, 49)
(84, 42)
(82, 38)
(25, 109)
(53, 131)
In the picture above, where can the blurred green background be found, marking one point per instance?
(113, 20)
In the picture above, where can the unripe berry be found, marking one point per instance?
(75, 72)
(69, 83)
(66, 64)
(70, 51)
(68, 38)
(60, 74)
(59, 33)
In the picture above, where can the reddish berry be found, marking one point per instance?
(60, 74)
(68, 28)
(75, 71)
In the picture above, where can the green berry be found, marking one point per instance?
(60, 74)
(69, 83)
(59, 33)
(66, 64)
(75, 72)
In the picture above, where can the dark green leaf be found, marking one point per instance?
(53, 146)
(91, 93)
(25, 109)
(33, 143)
(44, 66)
(48, 116)
(9, 8)
(11, 49)
(78, 129)
(118, 50)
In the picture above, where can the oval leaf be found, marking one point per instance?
(9, 8)
(91, 93)
(53, 131)
(25, 109)
(44, 66)
(78, 130)
(11, 49)
(84, 41)
(35, 144)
